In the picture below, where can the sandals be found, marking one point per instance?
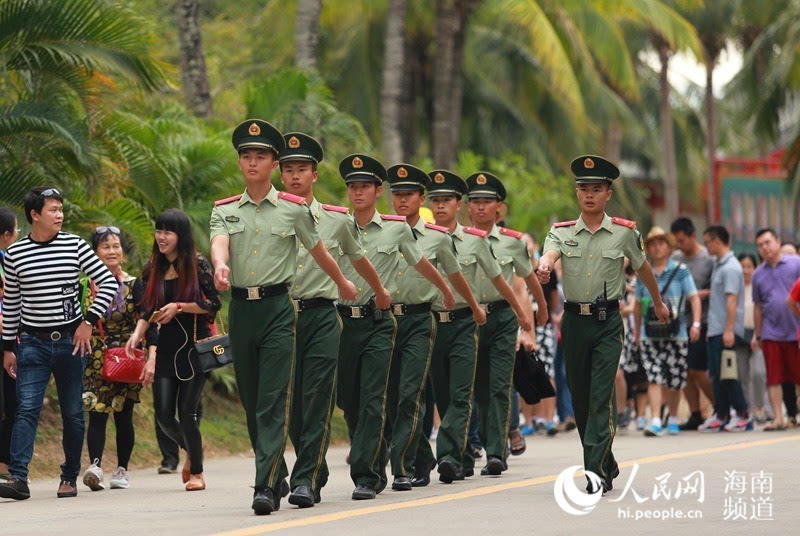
(518, 445)
(774, 427)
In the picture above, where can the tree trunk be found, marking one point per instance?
(393, 81)
(668, 138)
(193, 62)
(613, 141)
(306, 33)
(711, 139)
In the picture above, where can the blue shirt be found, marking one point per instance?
(726, 279)
(681, 286)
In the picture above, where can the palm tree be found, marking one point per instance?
(193, 61)
(394, 49)
(306, 33)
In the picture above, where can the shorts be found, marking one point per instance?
(782, 360)
(665, 362)
(698, 351)
(546, 342)
(629, 360)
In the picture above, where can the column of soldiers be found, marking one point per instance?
(330, 308)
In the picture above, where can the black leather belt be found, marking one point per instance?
(48, 335)
(301, 304)
(587, 309)
(355, 311)
(498, 305)
(256, 293)
(401, 309)
(445, 317)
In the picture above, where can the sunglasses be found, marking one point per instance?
(106, 228)
(49, 192)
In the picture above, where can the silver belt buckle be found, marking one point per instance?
(55, 336)
(444, 316)
(586, 309)
(253, 293)
(297, 307)
(485, 307)
(398, 309)
(355, 312)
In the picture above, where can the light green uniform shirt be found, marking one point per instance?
(512, 256)
(263, 247)
(340, 237)
(591, 260)
(388, 244)
(437, 247)
(478, 264)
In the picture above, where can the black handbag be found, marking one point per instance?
(213, 352)
(530, 377)
(655, 328)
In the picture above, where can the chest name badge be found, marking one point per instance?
(232, 219)
(571, 243)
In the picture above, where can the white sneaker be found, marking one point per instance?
(120, 479)
(93, 477)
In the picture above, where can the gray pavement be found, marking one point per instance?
(671, 475)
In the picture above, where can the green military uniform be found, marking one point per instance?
(416, 330)
(455, 350)
(593, 268)
(368, 336)
(497, 338)
(261, 316)
(318, 329)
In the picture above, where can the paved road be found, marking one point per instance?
(521, 501)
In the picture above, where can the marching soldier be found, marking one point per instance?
(592, 250)
(318, 325)
(253, 250)
(416, 327)
(455, 350)
(497, 338)
(367, 342)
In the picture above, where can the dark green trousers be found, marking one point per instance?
(318, 333)
(497, 340)
(591, 357)
(455, 356)
(405, 397)
(263, 346)
(365, 356)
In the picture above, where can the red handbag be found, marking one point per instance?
(118, 367)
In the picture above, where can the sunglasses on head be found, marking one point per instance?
(106, 228)
(49, 192)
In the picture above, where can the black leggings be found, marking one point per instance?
(169, 393)
(7, 415)
(126, 437)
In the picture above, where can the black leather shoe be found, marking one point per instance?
(363, 493)
(494, 466)
(447, 471)
(285, 488)
(382, 483)
(608, 482)
(420, 481)
(302, 496)
(263, 502)
(469, 472)
(317, 497)
(401, 483)
(16, 488)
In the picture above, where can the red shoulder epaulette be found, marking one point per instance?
(227, 200)
(625, 223)
(335, 208)
(437, 227)
(291, 197)
(476, 232)
(510, 232)
(565, 223)
(393, 217)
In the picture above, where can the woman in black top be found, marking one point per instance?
(180, 296)
(8, 395)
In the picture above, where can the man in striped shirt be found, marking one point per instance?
(42, 307)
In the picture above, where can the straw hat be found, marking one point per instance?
(657, 233)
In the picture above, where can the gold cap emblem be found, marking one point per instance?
(481, 179)
(294, 143)
(438, 178)
(402, 173)
(588, 163)
(358, 163)
(254, 129)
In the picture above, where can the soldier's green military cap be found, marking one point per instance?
(483, 184)
(257, 134)
(403, 177)
(362, 168)
(592, 169)
(444, 183)
(301, 146)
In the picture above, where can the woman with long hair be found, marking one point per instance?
(180, 296)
